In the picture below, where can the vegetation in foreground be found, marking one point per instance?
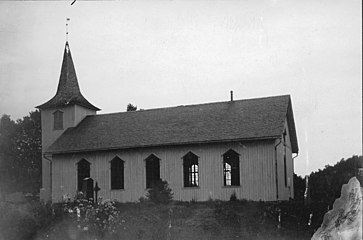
(147, 220)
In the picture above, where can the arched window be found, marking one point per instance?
(58, 120)
(231, 168)
(152, 170)
(117, 173)
(191, 170)
(83, 171)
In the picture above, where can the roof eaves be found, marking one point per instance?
(162, 144)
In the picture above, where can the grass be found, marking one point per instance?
(177, 220)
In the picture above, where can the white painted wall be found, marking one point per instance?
(257, 172)
(72, 115)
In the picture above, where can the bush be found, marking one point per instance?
(160, 193)
(233, 197)
(95, 219)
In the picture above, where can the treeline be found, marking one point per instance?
(20, 154)
(325, 185)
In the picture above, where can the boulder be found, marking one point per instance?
(344, 221)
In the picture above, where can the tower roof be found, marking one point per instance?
(68, 92)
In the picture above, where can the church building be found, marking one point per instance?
(204, 151)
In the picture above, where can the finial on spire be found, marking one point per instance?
(67, 20)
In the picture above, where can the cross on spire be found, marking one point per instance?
(67, 21)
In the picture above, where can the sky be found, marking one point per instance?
(167, 53)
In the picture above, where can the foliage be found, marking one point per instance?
(325, 185)
(94, 219)
(83, 220)
(299, 188)
(160, 193)
(233, 197)
(131, 108)
(20, 153)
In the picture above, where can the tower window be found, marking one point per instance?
(191, 170)
(58, 120)
(231, 168)
(117, 173)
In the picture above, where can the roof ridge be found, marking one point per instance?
(191, 105)
(245, 119)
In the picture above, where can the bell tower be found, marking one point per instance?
(66, 109)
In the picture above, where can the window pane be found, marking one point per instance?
(117, 174)
(231, 168)
(58, 120)
(83, 171)
(152, 170)
(190, 165)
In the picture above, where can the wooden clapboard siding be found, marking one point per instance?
(285, 192)
(71, 117)
(256, 172)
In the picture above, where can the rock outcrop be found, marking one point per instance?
(344, 221)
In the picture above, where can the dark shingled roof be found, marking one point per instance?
(68, 92)
(252, 119)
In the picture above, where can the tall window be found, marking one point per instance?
(58, 120)
(117, 173)
(285, 171)
(191, 169)
(83, 171)
(152, 170)
(231, 168)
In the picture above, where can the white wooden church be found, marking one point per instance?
(204, 151)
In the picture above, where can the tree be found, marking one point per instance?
(7, 152)
(299, 187)
(29, 152)
(131, 108)
(326, 184)
(20, 153)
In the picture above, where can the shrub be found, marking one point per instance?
(95, 219)
(160, 193)
(233, 197)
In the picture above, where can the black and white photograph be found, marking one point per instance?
(181, 119)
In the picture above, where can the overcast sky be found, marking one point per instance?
(168, 53)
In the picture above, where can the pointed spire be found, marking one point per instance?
(68, 92)
(68, 83)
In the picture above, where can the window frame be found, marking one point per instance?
(87, 175)
(117, 173)
(190, 173)
(58, 120)
(231, 158)
(152, 162)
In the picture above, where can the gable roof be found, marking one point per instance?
(251, 119)
(68, 92)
